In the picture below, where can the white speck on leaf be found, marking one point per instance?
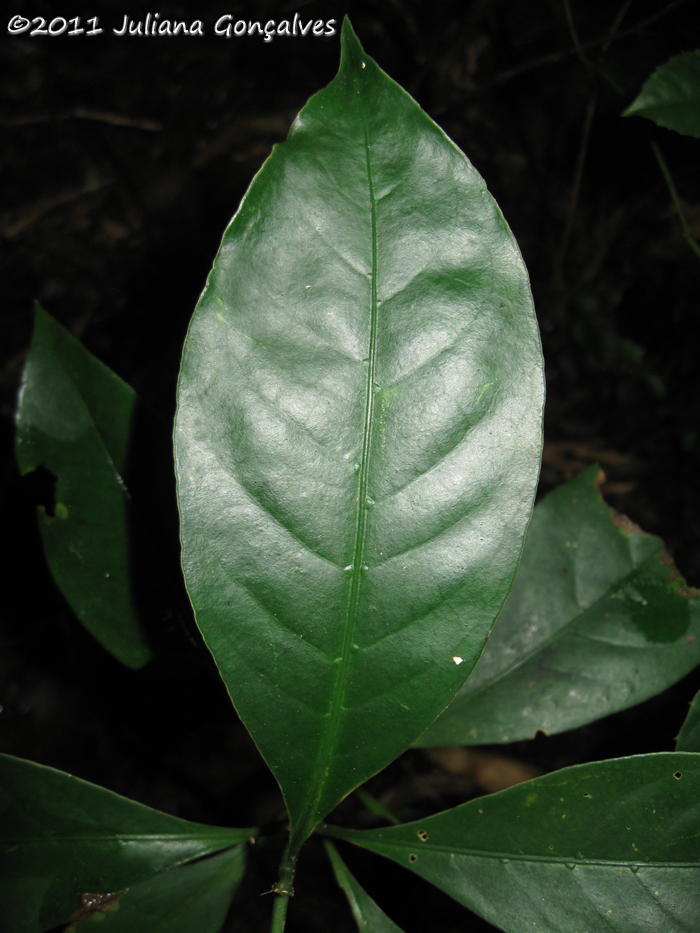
(457, 660)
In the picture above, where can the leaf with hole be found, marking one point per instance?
(66, 845)
(598, 620)
(613, 845)
(357, 438)
(368, 915)
(671, 96)
(75, 419)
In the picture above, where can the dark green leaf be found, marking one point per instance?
(193, 898)
(613, 845)
(74, 418)
(368, 915)
(358, 436)
(689, 737)
(61, 838)
(671, 96)
(598, 619)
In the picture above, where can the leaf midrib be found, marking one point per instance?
(101, 441)
(466, 852)
(329, 737)
(128, 837)
(527, 857)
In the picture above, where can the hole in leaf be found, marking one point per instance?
(412, 857)
(40, 489)
(423, 836)
(677, 775)
(586, 794)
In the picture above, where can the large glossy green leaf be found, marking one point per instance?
(62, 838)
(193, 898)
(689, 737)
(368, 915)
(671, 96)
(74, 418)
(613, 845)
(358, 436)
(598, 619)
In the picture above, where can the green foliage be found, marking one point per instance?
(62, 838)
(598, 620)
(357, 446)
(74, 418)
(608, 845)
(192, 897)
(368, 915)
(671, 96)
(345, 374)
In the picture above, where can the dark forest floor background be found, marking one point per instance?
(123, 160)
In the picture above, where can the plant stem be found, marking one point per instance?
(692, 242)
(279, 913)
(284, 889)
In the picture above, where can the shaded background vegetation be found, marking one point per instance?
(122, 161)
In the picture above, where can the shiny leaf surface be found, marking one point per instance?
(193, 898)
(358, 436)
(689, 737)
(368, 915)
(613, 845)
(671, 96)
(74, 418)
(598, 620)
(62, 838)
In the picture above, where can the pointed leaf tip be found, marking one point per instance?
(352, 55)
(348, 35)
(671, 95)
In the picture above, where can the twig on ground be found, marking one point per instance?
(687, 232)
(13, 223)
(86, 113)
